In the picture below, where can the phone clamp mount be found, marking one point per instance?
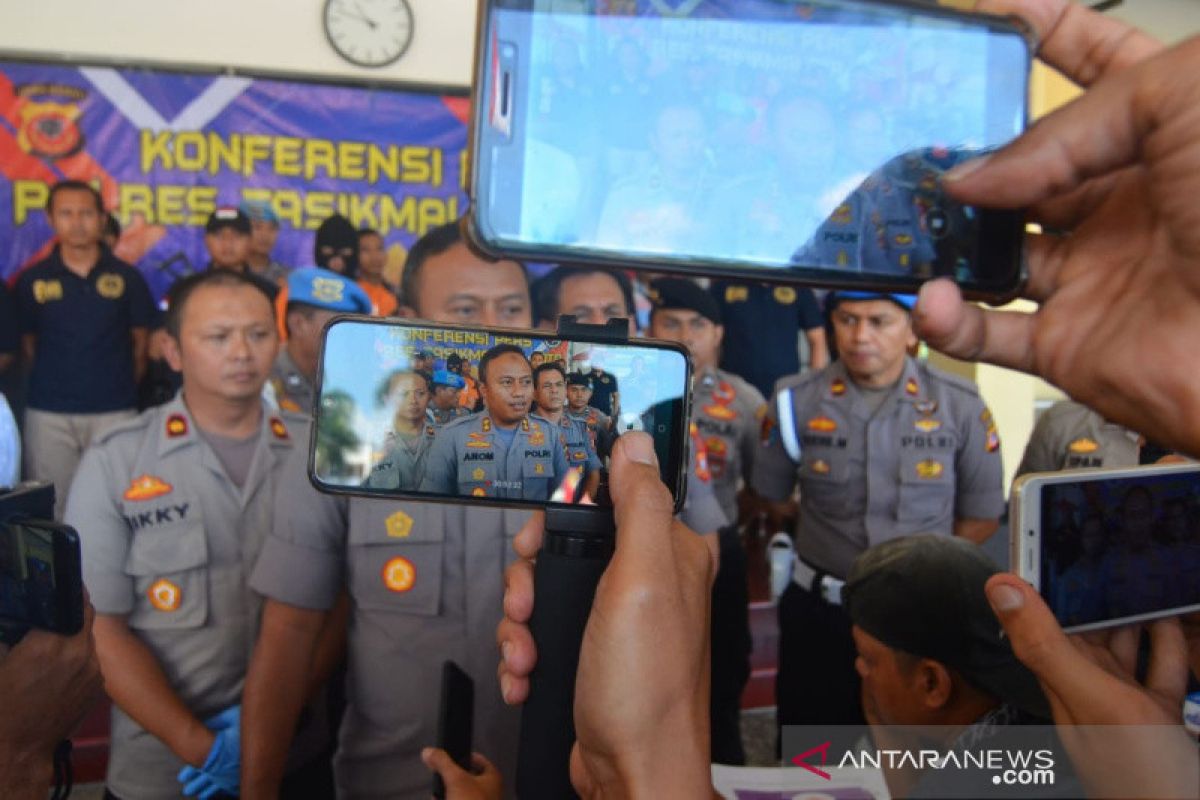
(579, 542)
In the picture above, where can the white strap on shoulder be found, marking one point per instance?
(787, 424)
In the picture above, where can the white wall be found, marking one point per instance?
(271, 35)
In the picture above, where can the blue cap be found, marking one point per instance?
(444, 377)
(260, 210)
(905, 301)
(325, 289)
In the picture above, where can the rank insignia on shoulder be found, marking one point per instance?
(837, 388)
(993, 438)
(486, 425)
(177, 425)
(525, 424)
(1084, 445)
(911, 388)
(147, 487)
(278, 429)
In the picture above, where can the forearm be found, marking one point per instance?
(139, 340)
(136, 682)
(275, 693)
(24, 775)
(975, 530)
(331, 645)
(29, 347)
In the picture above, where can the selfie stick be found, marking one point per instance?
(578, 544)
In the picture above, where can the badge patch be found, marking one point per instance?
(926, 407)
(164, 595)
(579, 455)
(1084, 445)
(785, 295)
(822, 424)
(147, 487)
(911, 388)
(767, 432)
(398, 525)
(110, 286)
(820, 467)
(537, 437)
(993, 439)
(841, 215)
(478, 474)
(279, 430)
(539, 469)
(928, 425)
(736, 294)
(478, 492)
(929, 470)
(177, 426)
(476, 439)
(837, 388)
(399, 575)
(719, 411)
(47, 291)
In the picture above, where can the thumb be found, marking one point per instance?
(1037, 638)
(440, 762)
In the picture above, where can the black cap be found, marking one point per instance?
(228, 217)
(924, 595)
(579, 379)
(685, 294)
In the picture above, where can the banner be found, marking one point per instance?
(165, 149)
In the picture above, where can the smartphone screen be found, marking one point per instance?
(1123, 548)
(40, 585)
(439, 412)
(796, 141)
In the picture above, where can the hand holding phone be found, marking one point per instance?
(41, 581)
(455, 718)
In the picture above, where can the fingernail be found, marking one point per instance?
(505, 647)
(964, 169)
(1005, 598)
(505, 687)
(639, 447)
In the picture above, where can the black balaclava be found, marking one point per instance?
(336, 238)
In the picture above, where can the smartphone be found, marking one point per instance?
(784, 141)
(41, 582)
(1107, 547)
(455, 713)
(437, 412)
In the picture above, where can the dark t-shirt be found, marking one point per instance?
(10, 339)
(604, 386)
(761, 325)
(83, 361)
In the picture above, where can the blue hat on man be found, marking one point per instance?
(261, 211)
(322, 288)
(444, 377)
(905, 301)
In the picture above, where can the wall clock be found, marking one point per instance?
(369, 33)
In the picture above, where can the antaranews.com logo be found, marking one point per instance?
(1007, 767)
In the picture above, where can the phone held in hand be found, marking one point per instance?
(455, 712)
(784, 142)
(1107, 547)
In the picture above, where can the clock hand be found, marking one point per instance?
(362, 15)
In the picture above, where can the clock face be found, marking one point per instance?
(369, 33)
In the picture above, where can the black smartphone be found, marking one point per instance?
(783, 141)
(1108, 547)
(455, 712)
(411, 409)
(41, 582)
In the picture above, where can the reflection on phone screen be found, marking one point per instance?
(450, 412)
(1121, 548)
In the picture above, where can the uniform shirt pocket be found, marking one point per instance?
(168, 560)
(395, 560)
(824, 474)
(926, 496)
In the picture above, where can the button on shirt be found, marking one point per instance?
(426, 581)
(470, 458)
(168, 543)
(928, 455)
(84, 358)
(728, 414)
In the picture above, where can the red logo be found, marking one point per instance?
(801, 760)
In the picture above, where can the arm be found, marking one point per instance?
(975, 530)
(331, 644)
(136, 682)
(277, 684)
(139, 340)
(6, 361)
(28, 346)
(818, 349)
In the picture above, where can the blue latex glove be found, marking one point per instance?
(221, 771)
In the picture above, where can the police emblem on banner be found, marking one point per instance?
(49, 128)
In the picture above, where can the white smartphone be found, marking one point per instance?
(1107, 547)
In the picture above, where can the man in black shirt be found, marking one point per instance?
(84, 317)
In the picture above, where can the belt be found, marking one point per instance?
(822, 584)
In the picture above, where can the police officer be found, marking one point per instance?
(599, 425)
(314, 297)
(882, 446)
(1069, 435)
(443, 402)
(550, 394)
(411, 437)
(172, 509)
(727, 410)
(501, 451)
(425, 581)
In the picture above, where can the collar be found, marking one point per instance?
(177, 429)
(910, 388)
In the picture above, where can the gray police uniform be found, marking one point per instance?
(169, 542)
(927, 455)
(293, 390)
(598, 425)
(1069, 435)
(576, 440)
(728, 415)
(469, 459)
(426, 581)
(438, 417)
(404, 463)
